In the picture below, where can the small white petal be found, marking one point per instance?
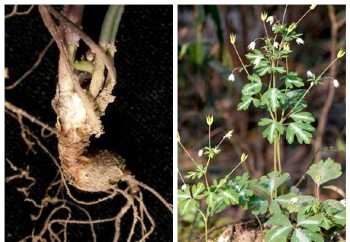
(251, 46)
(270, 20)
(200, 153)
(231, 77)
(309, 74)
(299, 41)
(335, 83)
(275, 44)
(228, 135)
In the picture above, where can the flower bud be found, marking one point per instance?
(210, 120)
(232, 38)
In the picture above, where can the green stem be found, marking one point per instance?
(110, 25)
(209, 129)
(205, 219)
(86, 66)
(317, 191)
(278, 146)
(205, 174)
(107, 39)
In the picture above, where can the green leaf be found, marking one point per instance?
(197, 174)
(336, 210)
(215, 203)
(273, 129)
(275, 208)
(300, 236)
(187, 206)
(293, 80)
(210, 152)
(278, 234)
(314, 236)
(267, 184)
(186, 203)
(197, 190)
(245, 102)
(255, 54)
(294, 202)
(278, 219)
(257, 103)
(324, 171)
(311, 223)
(273, 98)
(301, 130)
(254, 78)
(262, 68)
(251, 88)
(306, 117)
(293, 97)
(258, 205)
(278, 69)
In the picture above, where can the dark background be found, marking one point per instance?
(138, 126)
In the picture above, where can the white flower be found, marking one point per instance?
(251, 46)
(309, 74)
(299, 41)
(275, 44)
(200, 153)
(231, 77)
(270, 20)
(228, 135)
(335, 83)
(257, 60)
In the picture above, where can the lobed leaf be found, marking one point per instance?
(324, 171)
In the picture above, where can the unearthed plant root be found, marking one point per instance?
(101, 173)
(61, 211)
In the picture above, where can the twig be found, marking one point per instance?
(32, 68)
(22, 113)
(15, 11)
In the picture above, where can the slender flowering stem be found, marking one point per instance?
(188, 153)
(267, 35)
(329, 65)
(240, 59)
(296, 105)
(181, 177)
(304, 15)
(284, 14)
(234, 169)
